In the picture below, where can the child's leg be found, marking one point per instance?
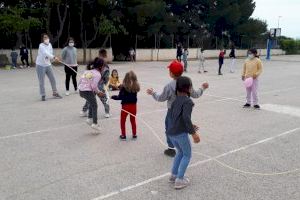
(74, 75)
(254, 91)
(85, 106)
(92, 102)
(132, 110)
(41, 76)
(22, 60)
(167, 125)
(105, 103)
(123, 120)
(184, 144)
(50, 74)
(177, 159)
(248, 97)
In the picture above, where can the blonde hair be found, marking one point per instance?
(130, 82)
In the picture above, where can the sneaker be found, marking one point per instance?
(134, 137)
(96, 127)
(28, 66)
(122, 137)
(21, 66)
(205, 71)
(220, 74)
(67, 93)
(256, 107)
(199, 72)
(83, 113)
(57, 96)
(172, 179)
(247, 105)
(43, 98)
(181, 183)
(89, 121)
(107, 115)
(170, 152)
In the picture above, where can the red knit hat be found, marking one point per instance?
(176, 68)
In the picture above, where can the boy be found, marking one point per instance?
(202, 60)
(14, 58)
(221, 60)
(185, 59)
(169, 95)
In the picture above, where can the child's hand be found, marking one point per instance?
(196, 128)
(150, 91)
(254, 76)
(196, 138)
(205, 85)
(56, 59)
(101, 94)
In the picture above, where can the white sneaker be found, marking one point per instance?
(28, 66)
(107, 115)
(21, 66)
(89, 121)
(96, 127)
(67, 93)
(181, 183)
(83, 113)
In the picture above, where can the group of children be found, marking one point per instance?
(23, 55)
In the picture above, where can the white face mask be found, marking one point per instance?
(46, 41)
(250, 56)
(71, 44)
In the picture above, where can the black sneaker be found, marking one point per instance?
(43, 98)
(134, 137)
(57, 96)
(170, 152)
(247, 105)
(256, 107)
(220, 74)
(205, 71)
(122, 137)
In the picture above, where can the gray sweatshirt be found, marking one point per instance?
(181, 112)
(69, 56)
(169, 94)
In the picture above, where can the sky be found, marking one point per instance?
(269, 10)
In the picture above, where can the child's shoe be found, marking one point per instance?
(107, 115)
(67, 93)
(134, 137)
(247, 105)
(181, 183)
(170, 152)
(83, 114)
(57, 96)
(199, 72)
(89, 121)
(43, 98)
(256, 107)
(97, 128)
(123, 137)
(172, 179)
(205, 71)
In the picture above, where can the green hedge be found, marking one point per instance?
(290, 46)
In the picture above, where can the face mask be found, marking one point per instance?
(251, 56)
(71, 44)
(47, 41)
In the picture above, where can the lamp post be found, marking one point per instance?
(279, 21)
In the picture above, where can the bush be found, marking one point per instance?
(290, 46)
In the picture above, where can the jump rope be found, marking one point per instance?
(195, 152)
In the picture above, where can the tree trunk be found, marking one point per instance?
(30, 48)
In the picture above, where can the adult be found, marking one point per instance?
(44, 66)
(232, 58)
(24, 55)
(179, 52)
(69, 57)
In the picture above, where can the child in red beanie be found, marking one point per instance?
(169, 95)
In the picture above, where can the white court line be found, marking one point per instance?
(117, 192)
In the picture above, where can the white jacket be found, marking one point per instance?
(45, 55)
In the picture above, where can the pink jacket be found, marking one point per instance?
(89, 81)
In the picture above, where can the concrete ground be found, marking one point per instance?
(48, 152)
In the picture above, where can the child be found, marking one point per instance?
(232, 57)
(202, 60)
(88, 87)
(14, 58)
(128, 97)
(252, 68)
(185, 59)
(102, 86)
(169, 95)
(181, 127)
(221, 60)
(114, 82)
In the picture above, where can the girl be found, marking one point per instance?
(232, 57)
(43, 66)
(114, 82)
(221, 60)
(88, 87)
(202, 61)
(128, 96)
(181, 127)
(185, 59)
(252, 68)
(69, 57)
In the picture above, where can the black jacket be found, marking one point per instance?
(126, 97)
(23, 52)
(232, 53)
(181, 112)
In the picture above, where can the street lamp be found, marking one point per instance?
(279, 21)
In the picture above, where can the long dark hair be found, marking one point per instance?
(97, 63)
(112, 73)
(130, 82)
(254, 52)
(183, 84)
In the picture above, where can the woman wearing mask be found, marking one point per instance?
(44, 67)
(69, 57)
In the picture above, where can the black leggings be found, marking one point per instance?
(91, 100)
(70, 73)
(26, 59)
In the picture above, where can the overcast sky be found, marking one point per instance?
(269, 10)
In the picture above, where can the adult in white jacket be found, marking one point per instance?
(44, 66)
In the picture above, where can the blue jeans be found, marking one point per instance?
(183, 155)
(168, 125)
